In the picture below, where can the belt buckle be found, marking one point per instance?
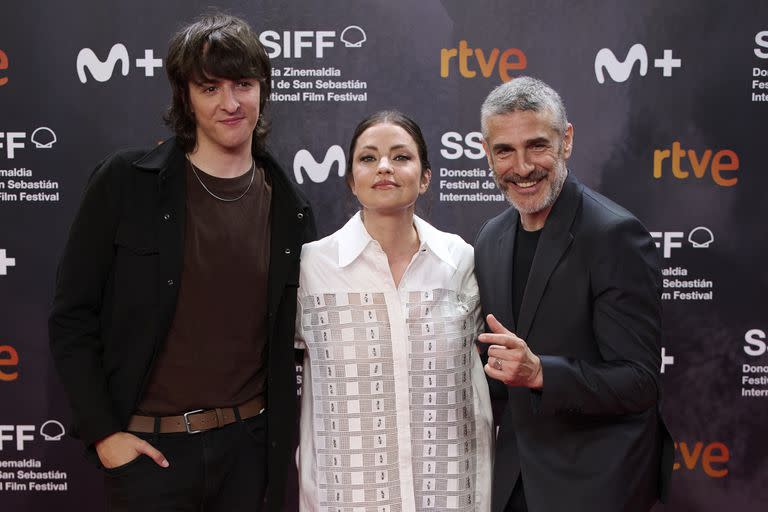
(186, 421)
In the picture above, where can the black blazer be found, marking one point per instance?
(593, 438)
(118, 282)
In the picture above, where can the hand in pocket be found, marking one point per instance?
(121, 448)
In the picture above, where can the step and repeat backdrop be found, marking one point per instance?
(669, 101)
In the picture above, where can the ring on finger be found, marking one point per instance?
(497, 364)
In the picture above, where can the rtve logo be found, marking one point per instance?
(318, 172)
(9, 363)
(290, 44)
(3, 66)
(620, 71)
(102, 70)
(699, 237)
(42, 138)
(756, 343)
(716, 163)
(712, 458)
(761, 40)
(511, 59)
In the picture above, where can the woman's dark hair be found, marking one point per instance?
(215, 46)
(389, 117)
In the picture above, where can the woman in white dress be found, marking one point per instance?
(395, 410)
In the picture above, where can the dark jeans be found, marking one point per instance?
(223, 469)
(516, 501)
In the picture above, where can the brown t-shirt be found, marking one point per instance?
(215, 353)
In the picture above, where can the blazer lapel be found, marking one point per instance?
(555, 239)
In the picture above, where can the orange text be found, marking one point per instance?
(3, 66)
(506, 61)
(712, 457)
(724, 160)
(8, 357)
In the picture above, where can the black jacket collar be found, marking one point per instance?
(556, 237)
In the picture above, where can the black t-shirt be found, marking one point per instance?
(525, 249)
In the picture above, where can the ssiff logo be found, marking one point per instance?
(102, 70)
(318, 172)
(291, 44)
(456, 146)
(20, 435)
(3, 66)
(699, 237)
(42, 138)
(761, 40)
(721, 165)
(9, 363)
(621, 70)
(756, 345)
(511, 59)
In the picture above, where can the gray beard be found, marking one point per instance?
(561, 172)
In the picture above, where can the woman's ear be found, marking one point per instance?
(426, 176)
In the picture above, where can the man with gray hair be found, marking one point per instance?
(571, 286)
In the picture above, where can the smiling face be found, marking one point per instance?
(226, 112)
(527, 156)
(387, 173)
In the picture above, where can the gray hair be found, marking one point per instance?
(524, 93)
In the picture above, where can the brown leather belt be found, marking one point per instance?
(196, 421)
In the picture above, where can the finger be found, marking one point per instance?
(501, 340)
(495, 325)
(153, 453)
(493, 372)
(503, 353)
(508, 375)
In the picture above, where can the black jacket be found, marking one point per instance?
(118, 283)
(593, 438)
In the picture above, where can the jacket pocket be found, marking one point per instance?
(136, 239)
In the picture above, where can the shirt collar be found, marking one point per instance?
(434, 240)
(354, 238)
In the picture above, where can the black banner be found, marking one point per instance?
(668, 99)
